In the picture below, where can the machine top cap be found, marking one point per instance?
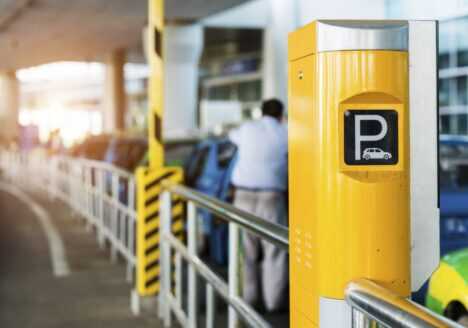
(337, 35)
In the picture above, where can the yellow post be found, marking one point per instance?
(149, 179)
(156, 82)
(349, 165)
(148, 229)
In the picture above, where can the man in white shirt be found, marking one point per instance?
(260, 178)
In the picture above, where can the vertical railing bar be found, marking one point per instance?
(100, 198)
(192, 275)
(89, 198)
(233, 317)
(178, 279)
(166, 257)
(114, 214)
(131, 226)
(210, 306)
(122, 220)
(69, 180)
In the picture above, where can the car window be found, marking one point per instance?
(453, 175)
(137, 152)
(96, 150)
(447, 178)
(196, 166)
(453, 165)
(450, 151)
(462, 176)
(226, 152)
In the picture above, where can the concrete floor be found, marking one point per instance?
(94, 295)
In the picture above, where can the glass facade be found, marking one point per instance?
(453, 74)
(453, 55)
(393, 8)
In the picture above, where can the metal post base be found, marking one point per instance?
(142, 304)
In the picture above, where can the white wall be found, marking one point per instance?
(285, 16)
(339, 9)
(426, 9)
(253, 14)
(183, 46)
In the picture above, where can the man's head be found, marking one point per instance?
(273, 108)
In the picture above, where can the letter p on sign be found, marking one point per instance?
(371, 137)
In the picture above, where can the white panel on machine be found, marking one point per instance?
(425, 254)
(335, 313)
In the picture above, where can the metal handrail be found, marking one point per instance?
(272, 232)
(229, 291)
(390, 309)
(106, 166)
(251, 317)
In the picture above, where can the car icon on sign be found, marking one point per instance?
(375, 153)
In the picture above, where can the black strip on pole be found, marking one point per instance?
(157, 128)
(158, 42)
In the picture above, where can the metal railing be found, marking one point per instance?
(102, 194)
(105, 196)
(172, 302)
(375, 306)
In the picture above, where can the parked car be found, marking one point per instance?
(448, 291)
(453, 193)
(93, 147)
(120, 150)
(126, 152)
(209, 170)
(453, 184)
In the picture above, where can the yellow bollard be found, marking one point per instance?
(349, 165)
(149, 179)
(156, 82)
(148, 232)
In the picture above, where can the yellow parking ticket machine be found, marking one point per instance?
(363, 162)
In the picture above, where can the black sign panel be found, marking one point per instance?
(371, 137)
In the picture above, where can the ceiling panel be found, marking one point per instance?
(33, 32)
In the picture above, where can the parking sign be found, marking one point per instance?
(371, 137)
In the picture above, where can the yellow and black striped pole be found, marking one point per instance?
(156, 83)
(149, 179)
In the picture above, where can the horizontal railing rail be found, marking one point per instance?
(372, 303)
(170, 300)
(272, 232)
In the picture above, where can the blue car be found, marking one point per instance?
(453, 184)
(209, 171)
(453, 193)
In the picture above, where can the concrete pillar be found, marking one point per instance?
(183, 46)
(9, 105)
(114, 104)
(283, 18)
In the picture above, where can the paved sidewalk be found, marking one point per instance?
(94, 295)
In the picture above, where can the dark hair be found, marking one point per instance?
(273, 108)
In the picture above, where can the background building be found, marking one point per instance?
(453, 55)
